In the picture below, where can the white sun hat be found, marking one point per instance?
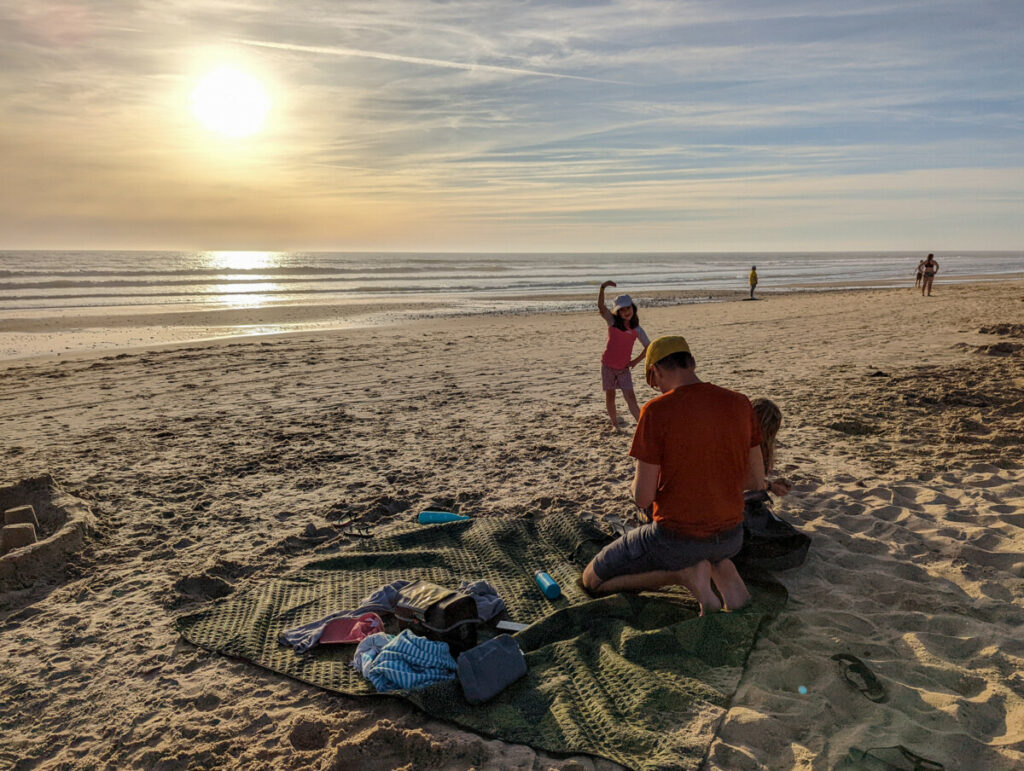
(622, 301)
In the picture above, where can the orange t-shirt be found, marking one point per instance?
(700, 435)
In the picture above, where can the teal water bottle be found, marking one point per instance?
(436, 517)
(548, 586)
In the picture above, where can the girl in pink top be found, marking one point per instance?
(623, 331)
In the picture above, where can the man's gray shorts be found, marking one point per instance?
(650, 547)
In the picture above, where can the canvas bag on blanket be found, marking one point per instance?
(438, 613)
(489, 668)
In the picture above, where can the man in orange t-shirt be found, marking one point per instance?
(697, 448)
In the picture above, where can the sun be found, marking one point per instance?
(230, 102)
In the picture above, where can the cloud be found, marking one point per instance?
(479, 122)
(472, 67)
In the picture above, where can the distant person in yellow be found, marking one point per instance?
(930, 267)
(753, 280)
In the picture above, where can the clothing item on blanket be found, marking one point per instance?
(307, 636)
(368, 649)
(404, 662)
(352, 630)
(488, 603)
(384, 600)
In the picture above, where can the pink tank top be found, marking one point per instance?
(619, 350)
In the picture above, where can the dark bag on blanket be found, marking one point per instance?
(490, 668)
(438, 613)
(769, 542)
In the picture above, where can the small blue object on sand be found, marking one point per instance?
(803, 690)
(548, 585)
(435, 517)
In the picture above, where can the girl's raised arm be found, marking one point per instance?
(601, 307)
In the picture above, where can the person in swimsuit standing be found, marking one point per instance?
(929, 267)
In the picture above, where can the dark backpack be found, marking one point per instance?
(769, 542)
(438, 613)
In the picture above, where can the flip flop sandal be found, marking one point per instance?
(898, 758)
(859, 676)
(360, 530)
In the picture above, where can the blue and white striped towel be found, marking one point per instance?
(406, 662)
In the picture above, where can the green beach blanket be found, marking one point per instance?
(636, 678)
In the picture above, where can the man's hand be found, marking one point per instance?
(607, 284)
(780, 486)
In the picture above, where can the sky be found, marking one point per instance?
(505, 125)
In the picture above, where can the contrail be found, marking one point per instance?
(334, 51)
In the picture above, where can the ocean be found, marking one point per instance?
(34, 282)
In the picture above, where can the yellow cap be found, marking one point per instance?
(661, 347)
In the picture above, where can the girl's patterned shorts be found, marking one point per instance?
(616, 378)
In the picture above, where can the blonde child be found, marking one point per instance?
(770, 417)
(769, 542)
(623, 331)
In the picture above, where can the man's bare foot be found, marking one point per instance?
(698, 580)
(730, 585)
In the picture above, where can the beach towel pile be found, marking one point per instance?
(403, 661)
(636, 678)
(383, 600)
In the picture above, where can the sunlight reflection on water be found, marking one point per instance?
(253, 295)
(243, 260)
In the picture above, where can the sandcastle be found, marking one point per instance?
(42, 527)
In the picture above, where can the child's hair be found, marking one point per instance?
(770, 418)
(634, 320)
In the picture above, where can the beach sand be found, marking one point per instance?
(211, 467)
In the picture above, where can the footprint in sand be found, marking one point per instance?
(204, 585)
(1017, 520)
(890, 513)
(307, 735)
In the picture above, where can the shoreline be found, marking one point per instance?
(84, 332)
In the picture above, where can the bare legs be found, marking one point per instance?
(926, 285)
(609, 403)
(698, 579)
(634, 408)
(730, 585)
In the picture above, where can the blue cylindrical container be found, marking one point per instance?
(548, 585)
(434, 517)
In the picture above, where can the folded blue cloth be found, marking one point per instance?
(403, 663)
